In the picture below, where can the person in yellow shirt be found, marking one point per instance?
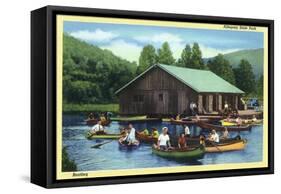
(145, 132)
(155, 133)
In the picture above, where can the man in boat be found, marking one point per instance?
(182, 141)
(225, 134)
(98, 128)
(91, 116)
(124, 136)
(155, 133)
(238, 121)
(214, 137)
(164, 140)
(132, 135)
(254, 119)
(186, 131)
(193, 108)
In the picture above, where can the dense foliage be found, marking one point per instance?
(68, 165)
(92, 75)
(220, 66)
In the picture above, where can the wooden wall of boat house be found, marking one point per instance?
(162, 94)
(159, 93)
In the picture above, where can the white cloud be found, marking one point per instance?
(97, 36)
(159, 38)
(126, 50)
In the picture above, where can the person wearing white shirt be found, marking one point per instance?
(214, 137)
(132, 135)
(164, 140)
(98, 128)
(186, 131)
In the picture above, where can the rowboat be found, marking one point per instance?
(209, 126)
(128, 147)
(244, 122)
(187, 154)
(181, 122)
(102, 136)
(134, 119)
(146, 138)
(226, 146)
(95, 121)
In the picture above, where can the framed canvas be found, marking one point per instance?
(125, 96)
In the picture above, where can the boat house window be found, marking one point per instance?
(160, 97)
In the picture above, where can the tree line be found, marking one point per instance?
(191, 57)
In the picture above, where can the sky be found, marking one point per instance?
(127, 41)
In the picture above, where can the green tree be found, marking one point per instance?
(185, 60)
(165, 55)
(220, 66)
(260, 86)
(245, 78)
(147, 58)
(196, 57)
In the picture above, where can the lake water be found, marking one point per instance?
(110, 157)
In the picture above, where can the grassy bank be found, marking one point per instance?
(67, 164)
(72, 108)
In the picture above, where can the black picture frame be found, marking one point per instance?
(43, 95)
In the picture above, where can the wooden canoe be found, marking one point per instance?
(145, 138)
(134, 119)
(226, 146)
(95, 121)
(209, 126)
(102, 136)
(187, 154)
(181, 122)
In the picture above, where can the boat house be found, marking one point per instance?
(168, 90)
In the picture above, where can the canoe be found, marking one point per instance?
(102, 136)
(134, 119)
(187, 154)
(181, 122)
(95, 121)
(209, 126)
(231, 145)
(244, 122)
(145, 138)
(128, 147)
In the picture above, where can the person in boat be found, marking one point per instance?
(225, 110)
(254, 119)
(214, 137)
(98, 128)
(178, 117)
(186, 131)
(91, 116)
(225, 134)
(124, 136)
(132, 135)
(164, 140)
(182, 141)
(145, 132)
(155, 133)
(193, 108)
(238, 120)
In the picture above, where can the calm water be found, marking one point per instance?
(110, 157)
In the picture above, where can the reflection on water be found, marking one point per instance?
(110, 157)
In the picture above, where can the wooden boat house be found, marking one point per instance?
(168, 90)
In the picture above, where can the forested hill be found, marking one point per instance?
(91, 74)
(254, 56)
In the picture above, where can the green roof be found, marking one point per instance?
(198, 80)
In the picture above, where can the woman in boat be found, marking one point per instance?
(97, 129)
(164, 140)
(225, 134)
(182, 141)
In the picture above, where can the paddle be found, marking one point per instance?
(98, 145)
(213, 144)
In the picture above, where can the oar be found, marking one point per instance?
(213, 144)
(98, 145)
